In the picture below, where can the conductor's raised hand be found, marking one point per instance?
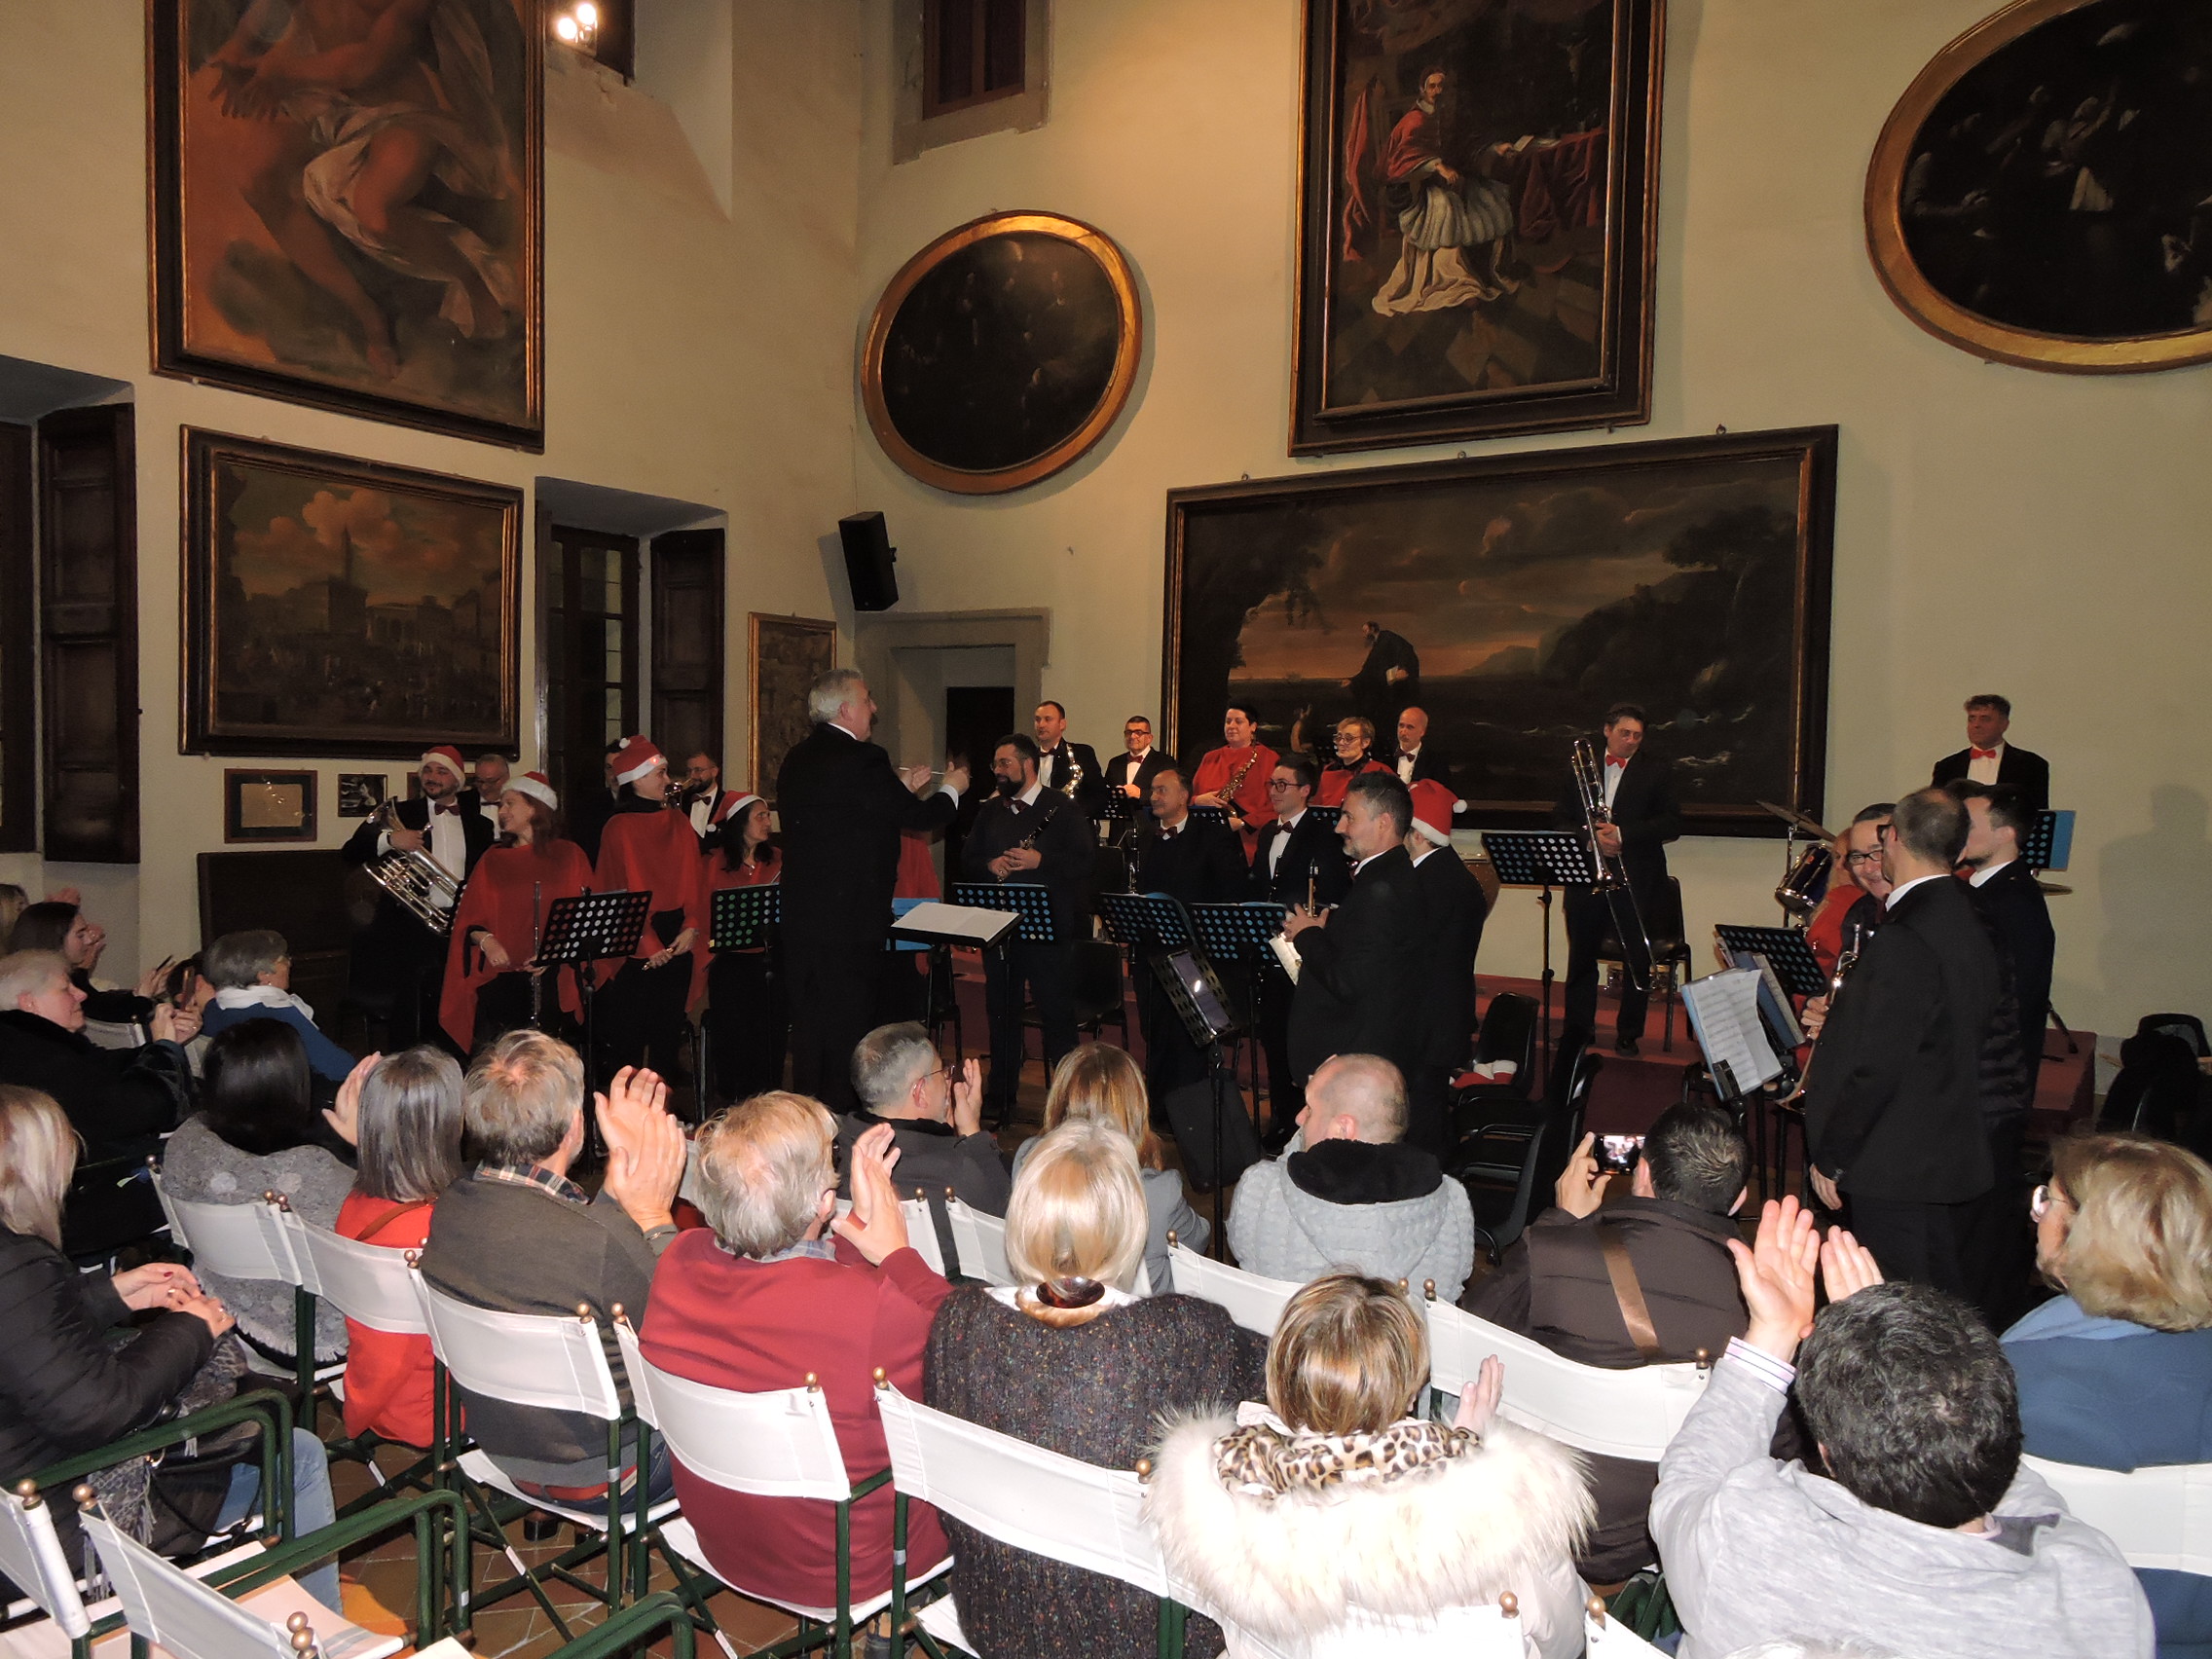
(956, 776)
(915, 777)
(875, 1226)
(1776, 1277)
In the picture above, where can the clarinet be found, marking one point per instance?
(537, 941)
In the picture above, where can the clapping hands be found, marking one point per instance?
(344, 1117)
(1777, 1274)
(875, 1226)
(644, 1147)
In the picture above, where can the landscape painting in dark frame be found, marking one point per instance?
(335, 606)
(1521, 596)
(368, 239)
(1478, 219)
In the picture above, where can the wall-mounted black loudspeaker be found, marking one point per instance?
(869, 560)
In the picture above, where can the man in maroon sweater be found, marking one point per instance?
(766, 1298)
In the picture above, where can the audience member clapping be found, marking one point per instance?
(1334, 1522)
(117, 1101)
(1349, 1193)
(936, 1113)
(1069, 1360)
(770, 1297)
(520, 1237)
(2115, 1372)
(60, 925)
(403, 1116)
(1100, 1084)
(1671, 1233)
(1925, 1534)
(251, 975)
(257, 1132)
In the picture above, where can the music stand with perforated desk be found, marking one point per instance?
(1240, 933)
(582, 929)
(1786, 952)
(742, 918)
(2049, 845)
(1542, 858)
(1194, 991)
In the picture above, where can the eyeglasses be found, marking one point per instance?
(2042, 1198)
(1282, 784)
(1873, 858)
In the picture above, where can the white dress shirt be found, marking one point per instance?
(447, 843)
(1408, 758)
(1897, 892)
(1612, 779)
(1982, 771)
(1275, 853)
(703, 811)
(1987, 872)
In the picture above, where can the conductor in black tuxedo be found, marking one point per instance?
(1893, 1120)
(1300, 862)
(842, 808)
(1453, 909)
(1029, 834)
(1200, 864)
(398, 956)
(1070, 768)
(1359, 964)
(1130, 772)
(1988, 758)
(1639, 800)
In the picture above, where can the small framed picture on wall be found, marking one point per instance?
(360, 794)
(268, 807)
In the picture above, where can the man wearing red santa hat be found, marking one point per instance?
(396, 956)
(646, 847)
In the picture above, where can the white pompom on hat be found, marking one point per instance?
(637, 756)
(538, 786)
(448, 756)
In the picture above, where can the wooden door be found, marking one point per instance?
(688, 645)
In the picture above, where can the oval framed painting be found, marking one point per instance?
(1001, 351)
(2040, 194)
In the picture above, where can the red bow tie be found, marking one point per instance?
(1614, 760)
(1981, 754)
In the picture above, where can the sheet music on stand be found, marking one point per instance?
(1725, 1014)
(743, 915)
(1784, 948)
(931, 922)
(2050, 842)
(1031, 901)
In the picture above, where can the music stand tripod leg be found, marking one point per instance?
(1544, 903)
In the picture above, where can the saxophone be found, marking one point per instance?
(1229, 794)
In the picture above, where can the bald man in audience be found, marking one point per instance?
(1351, 1194)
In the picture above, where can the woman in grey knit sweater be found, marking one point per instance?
(1073, 1363)
(258, 1131)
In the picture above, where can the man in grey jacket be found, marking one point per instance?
(1349, 1193)
(1926, 1535)
(936, 1120)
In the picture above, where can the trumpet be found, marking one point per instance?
(1612, 874)
(417, 883)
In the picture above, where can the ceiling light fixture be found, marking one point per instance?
(578, 25)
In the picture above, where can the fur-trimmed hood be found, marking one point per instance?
(1455, 1534)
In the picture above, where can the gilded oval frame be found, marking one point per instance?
(1122, 381)
(1938, 313)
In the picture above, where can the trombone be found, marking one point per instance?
(1612, 874)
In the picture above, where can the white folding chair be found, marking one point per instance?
(554, 1364)
(780, 1444)
(921, 1233)
(171, 1610)
(2160, 1515)
(33, 1560)
(1037, 1500)
(979, 1239)
(248, 1241)
(1619, 1414)
(1253, 1302)
(1604, 1637)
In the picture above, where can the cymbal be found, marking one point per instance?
(1790, 815)
(2052, 887)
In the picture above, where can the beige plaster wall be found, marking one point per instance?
(2038, 534)
(696, 313)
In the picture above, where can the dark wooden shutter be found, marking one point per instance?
(88, 633)
(18, 649)
(688, 645)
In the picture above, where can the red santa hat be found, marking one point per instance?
(1433, 807)
(538, 786)
(448, 756)
(637, 756)
(734, 809)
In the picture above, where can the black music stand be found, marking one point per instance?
(1145, 921)
(1031, 901)
(1542, 858)
(1210, 815)
(1240, 933)
(585, 928)
(1786, 952)
(742, 918)
(1206, 1030)
(2050, 842)
(1328, 815)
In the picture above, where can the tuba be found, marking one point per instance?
(417, 883)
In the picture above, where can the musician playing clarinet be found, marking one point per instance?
(1029, 834)
(1235, 776)
(1639, 798)
(647, 846)
(490, 988)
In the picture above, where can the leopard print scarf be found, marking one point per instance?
(1264, 1460)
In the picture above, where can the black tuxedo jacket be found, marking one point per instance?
(1893, 1102)
(2017, 769)
(1201, 863)
(1315, 852)
(1063, 836)
(1430, 762)
(842, 808)
(2017, 909)
(1451, 909)
(1358, 979)
(476, 832)
(1118, 772)
(1646, 810)
(1091, 789)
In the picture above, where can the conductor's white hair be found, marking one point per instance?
(832, 692)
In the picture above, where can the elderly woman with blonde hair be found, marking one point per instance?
(1066, 1358)
(1333, 1522)
(2116, 1371)
(1100, 1084)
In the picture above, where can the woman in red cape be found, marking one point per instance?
(647, 848)
(501, 912)
(748, 1021)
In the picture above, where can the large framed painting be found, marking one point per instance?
(789, 654)
(1478, 219)
(2042, 194)
(342, 607)
(347, 207)
(1002, 352)
(1516, 598)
